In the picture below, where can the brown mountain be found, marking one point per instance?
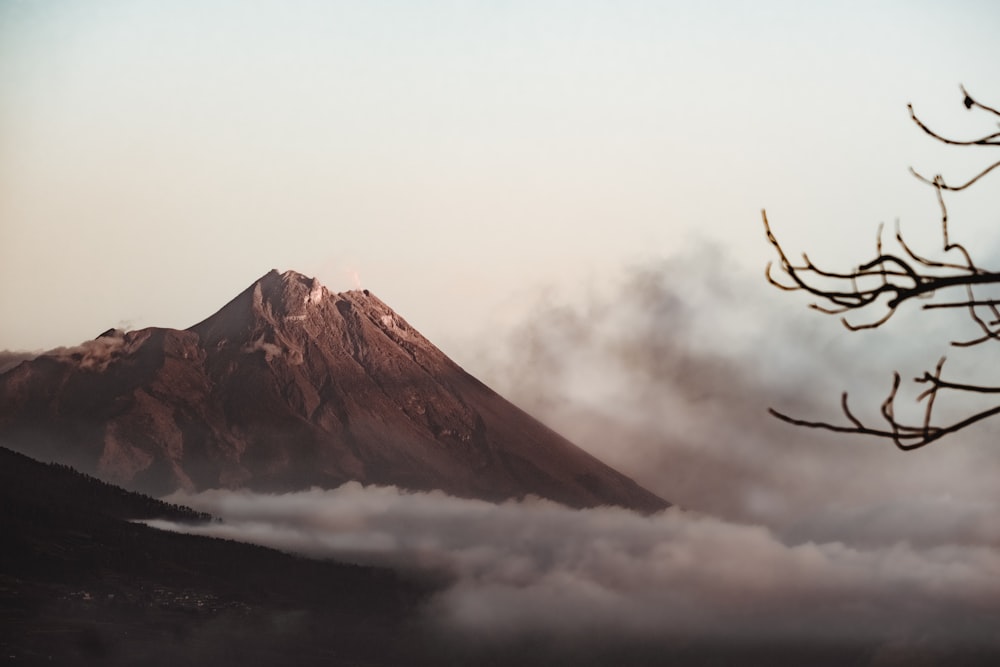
(290, 385)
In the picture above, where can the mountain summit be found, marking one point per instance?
(289, 386)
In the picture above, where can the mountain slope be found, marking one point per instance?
(289, 386)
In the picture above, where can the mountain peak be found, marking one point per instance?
(273, 301)
(291, 284)
(291, 293)
(293, 287)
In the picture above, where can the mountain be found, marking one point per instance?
(289, 386)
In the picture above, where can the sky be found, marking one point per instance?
(456, 158)
(565, 197)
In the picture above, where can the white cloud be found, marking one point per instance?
(668, 375)
(94, 355)
(537, 568)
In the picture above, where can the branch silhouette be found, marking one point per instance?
(867, 296)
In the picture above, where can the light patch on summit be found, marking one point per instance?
(316, 293)
(388, 321)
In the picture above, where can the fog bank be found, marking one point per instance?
(537, 569)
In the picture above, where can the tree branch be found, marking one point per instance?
(890, 280)
(899, 280)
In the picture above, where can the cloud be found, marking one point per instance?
(573, 577)
(96, 354)
(668, 375)
(11, 358)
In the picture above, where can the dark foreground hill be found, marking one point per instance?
(81, 585)
(290, 386)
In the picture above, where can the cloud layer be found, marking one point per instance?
(537, 569)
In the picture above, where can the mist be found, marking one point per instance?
(667, 375)
(565, 577)
(94, 355)
(11, 358)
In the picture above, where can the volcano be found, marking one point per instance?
(290, 386)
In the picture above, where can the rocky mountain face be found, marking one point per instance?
(288, 386)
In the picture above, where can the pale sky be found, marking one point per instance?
(157, 157)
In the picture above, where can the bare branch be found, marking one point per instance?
(992, 139)
(938, 181)
(904, 436)
(888, 281)
(899, 280)
(961, 304)
(969, 102)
